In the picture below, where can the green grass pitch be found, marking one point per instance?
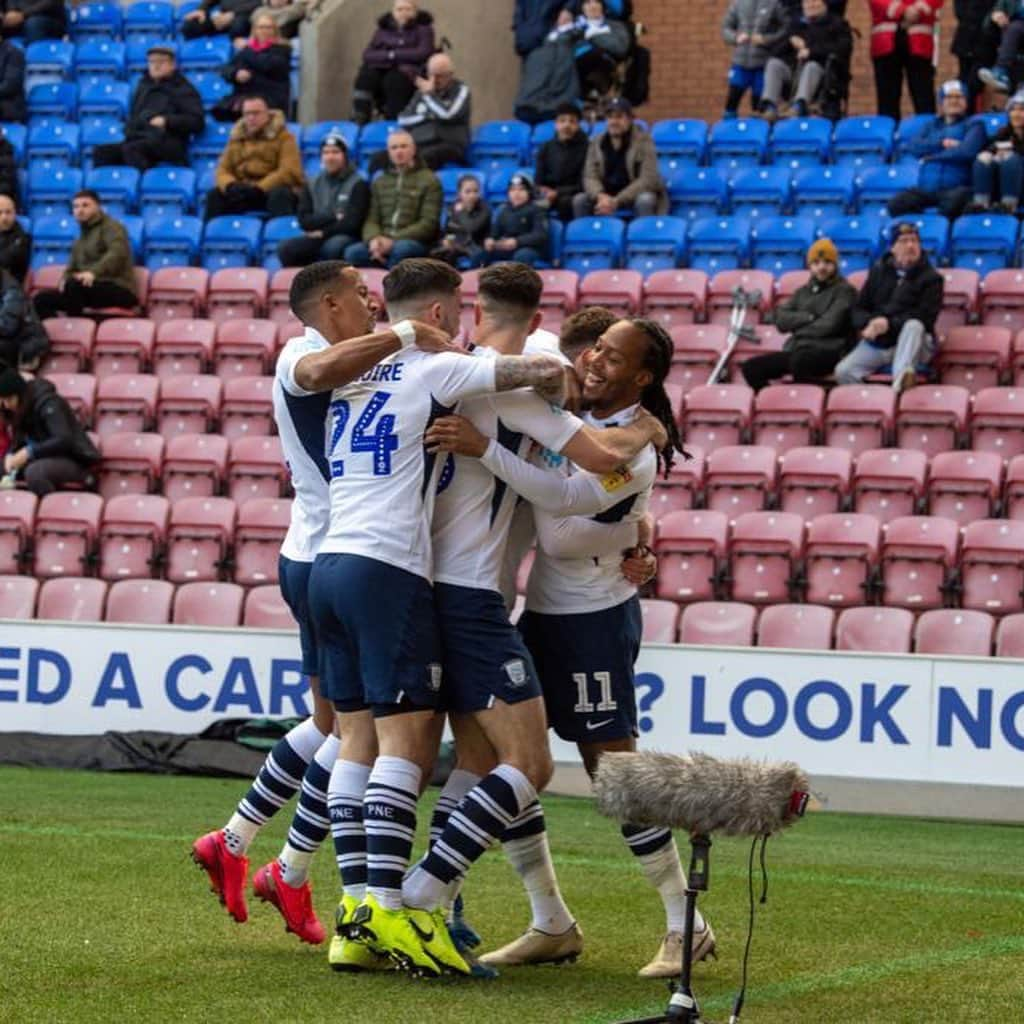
(103, 918)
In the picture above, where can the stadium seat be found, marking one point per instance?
(104, 98)
(183, 346)
(247, 407)
(617, 290)
(788, 283)
(841, 553)
(71, 342)
(256, 469)
(889, 482)
(188, 404)
(593, 243)
(50, 101)
(52, 238)
(696, 351)
(959, 299)
(682, 488)
(910, 126)
(743, 140)
(131, 537)
(858, 239)
(67, 523)
(172, 241)
(208, 604)
(992, 566)
(814, 481)
(717, 415)
(877, 185)
(725, 282)
(207, 53)
(123, 345)
(230, 242)
(917, 559)
(820, 192)
(661, 621)
(168, 191)
(140, 602)
(48, 61)
(863, 141)
(195, 466)
(79, 391)
(176, 292)
(675, 297)
(199, 538)
(1013, 494)
(262, 525)
(72, 599)
(974, 357)
(788, 415)
(691, 547)
(932, 418)
(801, 627)
(1001, 299)
(740, 479)
(148, 18)
(17, 519)
(953, 631)
(655, 243)
(997, 422)
(768, 339)
(275, 231)
(1009, 634)
(500, 144)
(18, 597)
(126, 402)
(802, 141)
(880, 630)
(696, 191)
(685, 137)
(131, 464)
(719, 243)
(763, 556)
(859, 417)
(984, 241)
(99, 58)
(265, 608)
(718, 624)
(560, 296)
(50, 189)
(238, 292)
(17, 136)
(98, 131)
(758, 192)
(209, 144)
(244, 348)
(964, 485)
(95, 19)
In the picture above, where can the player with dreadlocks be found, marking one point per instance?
(582, 622)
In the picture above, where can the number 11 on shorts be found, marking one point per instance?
(584, 706)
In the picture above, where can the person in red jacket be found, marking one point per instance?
(903, 43)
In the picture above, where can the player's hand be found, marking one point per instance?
(657, 434)
(455, 434)
(432, 339)
(639, 566)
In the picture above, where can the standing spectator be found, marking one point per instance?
(999, 168)
(166, 111)
(35, 19)
(621, 169)
(262, 67)
(100, 272)
(895, 314)
(214, 17)
(332, 209)
(903, 43)
(51, 448)
(975, 42)
(751, 28)
(520, 229)
(8, 169)
(600, 43)
(559, 164)
(287, 15)
(260, 168)
(532, 21)
(12, 82)
(15, 242)
(946, 147)
(1008, 17)
(23, 341)
(405, 209)
(391, 63)
(467, 226)
(438, 117)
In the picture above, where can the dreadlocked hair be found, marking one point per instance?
(654, 398)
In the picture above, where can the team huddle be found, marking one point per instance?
(423, 473)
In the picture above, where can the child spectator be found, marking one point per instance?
(520, 229)
(467, 226)
(752, 28)
(1008, 16)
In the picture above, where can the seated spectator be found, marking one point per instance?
(332, 209)
(817, 319)
(895, 314)
(23, 341)
(100, 272)
(12, 82)
(213, 17)
(466, 228)
(600, 43)
(1008, 17)
(8, 169)
(548, 80)
(287, 15)
(15, 242)
(438, 116)
(751, 28)
(35, 19)
(50, 447)
(999, 168)
(405, 209)
(399, 49)
(166, 112)
(946, 147)
(559, 164)
(262, 67)
(519, 230)
(260, 168)
(621, 169)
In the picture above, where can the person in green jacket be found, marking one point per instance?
(100, 271)
(817, 318)
(405, 209)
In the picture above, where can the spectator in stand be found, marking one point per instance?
(12, 82)
(166, 112)
(332, 209)
(559, 164)
(999, 168)
(8, 169)
(15, 242)
(751, 28)
(35, 19)
(519, 230)
(262, 67)
(260, 168)
(23, 341)
(213, 17)
(287, 15)
(621, 169)
(405, 209)
(1008, 17)
(399, 49)
(895, 314)
(467, 226)
(946, 148)
(817, 319)
(975, 43)
(601, 42)
(100, 272)
(51, 448)
(903, 44)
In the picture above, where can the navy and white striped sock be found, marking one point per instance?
(656, 851)
(345, 793)
(389, 817)
(459, 783)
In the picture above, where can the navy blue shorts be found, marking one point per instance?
(747, 78)
(293, 578)
(585, 663)
(485, 658)
(377, 630)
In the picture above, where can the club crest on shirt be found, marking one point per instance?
(516, 672)
(616, 479)
(434, 677)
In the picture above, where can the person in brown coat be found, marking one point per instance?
(260, 168)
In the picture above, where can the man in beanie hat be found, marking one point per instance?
(332, 208)
(817, 319)
(50, 449)
(519, 230)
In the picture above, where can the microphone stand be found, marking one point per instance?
(682, 1006)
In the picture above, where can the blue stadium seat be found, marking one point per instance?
(211, 88)
(682, 137)
(148, 18)
(863, 140)
(100, 58)
(17, 136)
(172, 241)
(541, 132)
(57, 141)
(802, 141)
(181, 10)
(373, 138)
(994, 120)
(137, 47)
(99, 131)
(207, 53)
(230, 242)
(655, 243)
(877, 185)
(858, 239)
(118, 188)
(311, 166)
(50, 189)
(779, 244)
(314, 134)
(743, 140)
(52, 238)
(95, 19)
(53, 99)
(449, 178)
(276, 230)
(823, 191)
(206, 181)
(110, 99)
(556, 242)
(135, 228)
(593, 243)
(984, 241)
(718, 243)
(908, 129)
(168, 191)
(496, 183)
(48, 60)
(500, 144)
(697, 192)
(760, 191)
(211, 142)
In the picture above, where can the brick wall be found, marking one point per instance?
(690, 61)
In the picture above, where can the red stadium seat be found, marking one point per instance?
(142, 602)
(1009, 635)
(374, 278)
(788, 415)
(814, 481)
(18, 597)
(199, 538)
(141, 275)
(131, 463)
(674, 297)
(248, 407)
(71, 343)
(237, 292)
(288, 329)
(177, 292)
(959, 298)
(840, 557)
(768, 340)
(620, 291)
(278, 308)
(683, 487)
(718, 624)
(132, 534)
(1002, 299)
(661, 621)
(183, 346)
(740, 478)
(859, 417)
(67, 523)
(195, 465)
(882, 630)
(256, 469)
(764, 551)
(992, 566)
(189, 405)
(245, 348)
(717, 415)
(788, 283)
(800, 627)
(690, 548)
(17, 520)
(932, 418)
(858, 278)
(889, 482)
(208, 604)
(917, 559)
(1013, 491)
(720, 291)
(72, 599)
(964, 485)
(126, 402)
(954, 631)
(45, 277)
(697, 348)
(974, 357)
(262, 524)
(997, 422)
(265, 608)
(560, 297)
(123, 345)
(79, 390)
